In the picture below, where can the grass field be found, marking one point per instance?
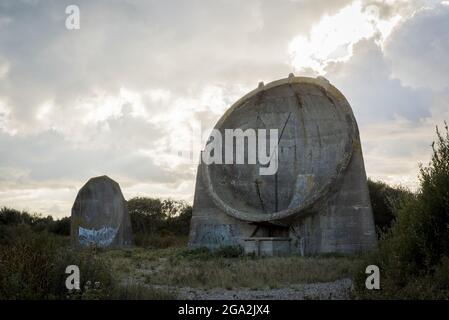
(181, 267)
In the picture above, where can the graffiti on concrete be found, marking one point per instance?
(102, 237)
(217, 235)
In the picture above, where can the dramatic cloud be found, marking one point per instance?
(419, 49)
(398, 111)
(375, 96)
(122, 95)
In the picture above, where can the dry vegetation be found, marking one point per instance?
(180, 267)
(413, 253)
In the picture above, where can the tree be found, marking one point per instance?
(414, 255)
(384, 198)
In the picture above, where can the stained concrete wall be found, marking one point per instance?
(343, 221)
(325, 207)
(100, 216)
(268, 246)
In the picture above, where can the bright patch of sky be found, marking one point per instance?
(333, 37)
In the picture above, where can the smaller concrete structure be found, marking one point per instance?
(267, 246)
(100, 215)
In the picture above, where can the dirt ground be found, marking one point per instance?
(184, 274)
(335, 290)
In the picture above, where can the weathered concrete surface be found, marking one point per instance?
(100, 216)
(319, 197)
(267, 246)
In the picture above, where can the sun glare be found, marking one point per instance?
(333, 37)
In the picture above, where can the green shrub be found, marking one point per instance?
(229, 252)
(384, 198)
(159, 223)
(196, 253)
(159, 241)
(203, 253)
(150, 215)
(12, 217)
(32, 266)
(413, 255)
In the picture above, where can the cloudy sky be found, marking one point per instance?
(122, 93)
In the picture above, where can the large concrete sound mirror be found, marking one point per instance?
(316, 202)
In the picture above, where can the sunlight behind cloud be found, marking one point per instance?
(333, 37)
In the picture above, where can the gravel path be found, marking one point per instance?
(339, 289)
